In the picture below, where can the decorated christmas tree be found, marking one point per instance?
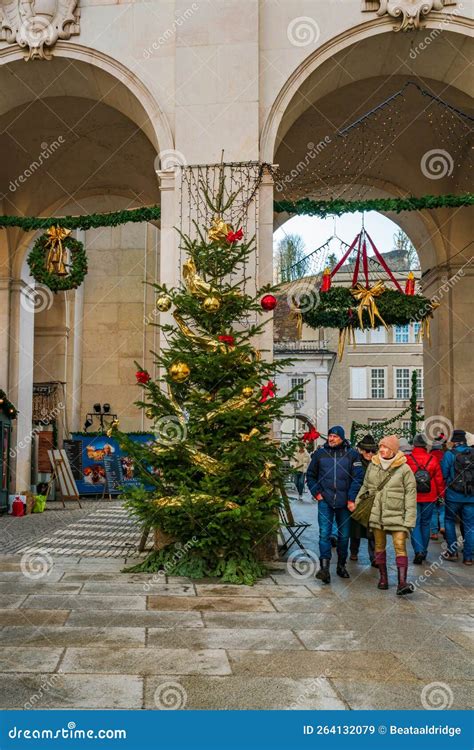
(215, 471)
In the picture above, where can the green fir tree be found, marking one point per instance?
(216, 473)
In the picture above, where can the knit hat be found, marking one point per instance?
(405, 446)
(419, 441)
(390, 441)
(459, 436)
(367, 443)
(337, 430)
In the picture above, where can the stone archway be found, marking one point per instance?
(338, 83)
(113, 130)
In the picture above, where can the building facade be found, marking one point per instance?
(115, 101)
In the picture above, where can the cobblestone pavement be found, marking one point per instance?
(100, 529)
(76, 632)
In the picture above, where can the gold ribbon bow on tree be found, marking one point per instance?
(56, 255)
(366, 299)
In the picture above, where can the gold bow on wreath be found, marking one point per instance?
(366, 298)
(343, 332)
(55, 261)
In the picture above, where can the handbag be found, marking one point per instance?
(361, 514)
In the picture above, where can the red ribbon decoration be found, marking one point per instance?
(311, 435)
(232, 237)
(142, 377)
(268, 391)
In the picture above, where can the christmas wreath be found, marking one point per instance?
(47, 260)
(338, 308)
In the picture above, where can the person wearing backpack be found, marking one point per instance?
(458, 471)
(429, 487)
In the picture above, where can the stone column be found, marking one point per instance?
(449, 361)
(322, 402)
(168, 264)
(265, 254)
(4, 331)
(21, 381)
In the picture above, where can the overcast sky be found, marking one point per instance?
(315, 231)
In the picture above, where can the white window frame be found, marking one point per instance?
(371, 387)
(358, 378)
(415, 327)
(410, 368)
(402, 332)
(299, 395)
(395, 385)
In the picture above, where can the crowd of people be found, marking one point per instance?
(412, 492)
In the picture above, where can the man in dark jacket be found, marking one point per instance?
(334, 478)
(458, 471)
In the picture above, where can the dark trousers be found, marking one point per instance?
(326, 516)
(355, 547)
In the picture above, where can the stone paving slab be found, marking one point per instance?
(112, 577)
(75, 636)
(17, 576)
(269, 620)
(29, 659)
(139, 661)
(27, 586)
(322, 640)
(263, 590)
(138, 588)
(71, 691)
(454, 666)
(217, 603)
(367, 694)
(10, 601)
(135, 618)
(465, 639)
(209, 638)
(238, 693)
(315, 664)
(85, 601)
(23, 616)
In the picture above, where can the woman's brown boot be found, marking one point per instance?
(402, 567)
(381, 562)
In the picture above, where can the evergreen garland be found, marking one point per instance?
(304, 206)
(309, 207)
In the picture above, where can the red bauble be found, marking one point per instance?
(268, 302)
(229, 340)
(142, 377)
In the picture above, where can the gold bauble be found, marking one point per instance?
(163, 303)
(211, 304)
(179, 372)
(247, 392)
(149, 413)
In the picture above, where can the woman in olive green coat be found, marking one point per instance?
(394, 508)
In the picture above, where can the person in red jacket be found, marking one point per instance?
(429, 486)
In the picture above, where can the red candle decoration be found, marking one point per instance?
(410, 284)
(234, 236)
(268, 302)
(143, 377)
(326, 283)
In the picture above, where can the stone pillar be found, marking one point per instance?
(21, 381)
(168, 265)
(76, 349)
(449, 361)
(322, 403)
(4, 331)
(265, 254)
